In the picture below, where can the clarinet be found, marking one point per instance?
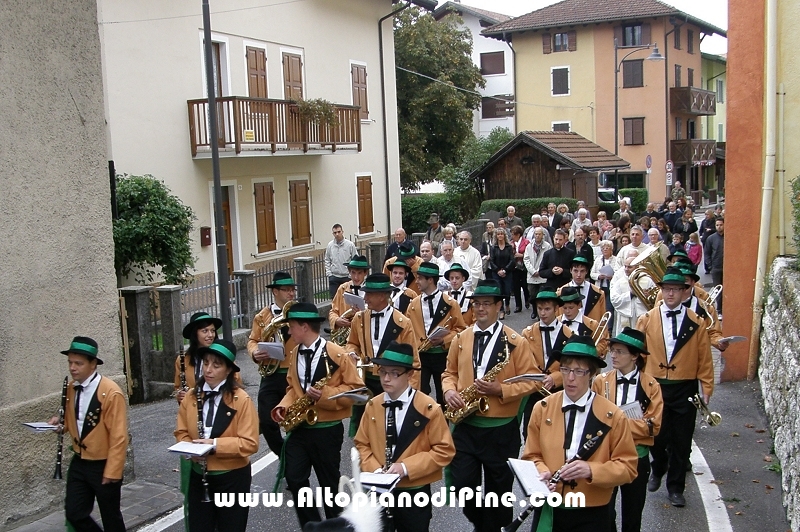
(60, 446)
(201, 434)
(387, 464)
(183, 369)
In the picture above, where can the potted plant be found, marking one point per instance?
(318, 111)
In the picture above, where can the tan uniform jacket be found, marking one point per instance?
(338, 306)
(613, 462)
(460, 372)
(533, 334)
(447, 308)
(105, 428)
(260, 322)
(189, 372)
(399, 329)
(596, 304)
(708, 314)
(424, 444)
(648, 393)
(692, 355)
(235, 429)
(343, 378)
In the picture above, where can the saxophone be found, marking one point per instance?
(473, 401)
(303, 410)
(339, 336)
(265, 369)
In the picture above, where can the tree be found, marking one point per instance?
(151, 231)
(436, 82)
(466, 190)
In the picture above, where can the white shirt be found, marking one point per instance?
(666, 325)
(584, 289)
(401, 288)
(580, 420)
(407, 397)
(461, 298)
(495, 329)
(301, 361)
(576, 322)
(383, 322)
(556, 325)
(216, 399)
(622, 253)
(427, 319)
(89, 388)
(631, 387)
(471, 258)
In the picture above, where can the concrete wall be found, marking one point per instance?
(57, 271)
(779, 373)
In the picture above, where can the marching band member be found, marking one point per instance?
(408, 428)
(429, 310)
(201, 331)
(272, 387)
(707, 312)
(358, 268)
(559, 428)
(401, 276)
(485, 441)
(230, 424)
(318, 445)
(406, 252)
(96, 419)
(627, 305)
(623, 385)
(680, 356)
(572, 317)
(594, 299)
(456, 276)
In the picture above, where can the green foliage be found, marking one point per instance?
(318, 110)
(796, 214)
(434, 115)
(609, 208)
(152, 231)
(639, 198)
(417, 209)
(466, 191)
(526, 207)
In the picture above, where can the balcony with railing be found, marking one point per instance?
(692, 101)
(694, 152)
(260, 126)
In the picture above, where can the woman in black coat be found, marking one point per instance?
(686, 225)
(502, 264)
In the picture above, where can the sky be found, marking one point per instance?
(714, 12)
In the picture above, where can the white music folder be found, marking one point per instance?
(528, 476)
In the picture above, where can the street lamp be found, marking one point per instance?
(654, 56)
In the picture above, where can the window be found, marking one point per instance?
(299, 209)
(561, 126)
(358, 75)
(690, 41)
(690, 77)
(265, 217)
(633, 73)
(559, 83)
(560, 42)
(634, 131)
(497, 106)
(677, 38)
(677, 75)
(720, 91)
(678, 128)
(632, 35)
(292, 76)
(364, 190)
(493, 63)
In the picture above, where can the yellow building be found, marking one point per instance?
(715, 79)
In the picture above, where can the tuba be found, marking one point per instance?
(269, 367)
(649, 264)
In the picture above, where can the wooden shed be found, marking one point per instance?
(541, 164)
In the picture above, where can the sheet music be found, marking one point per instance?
(632, 410)
(39, 427)
(190, 449)
(352, 300)
(528, 476)
(359, 395)
(438, 332)
(382, 482)
(275, 350)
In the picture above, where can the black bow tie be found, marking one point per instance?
(393, 404)
(573, 407)
(209, 394)
(571, 423)
(483, 334)
(671, 313)
(306, 352)
(547, 329)
(430, 297)
(355, 289)
(455, 293)
(623, 380)
(569, 323)
(377, 314)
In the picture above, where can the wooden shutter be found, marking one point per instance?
(358, 73)
(256, 72)
(364, 189)
(690, 41)
(628, 136)
(632, 73)
(638, 130)
(560, 81)
(572, 41)
(677, 35)
(493, 63)
(265, 217)
(299, 206)
(677, 75)
(292, 77)
(690, 77)
(547, 43)
(646, 34)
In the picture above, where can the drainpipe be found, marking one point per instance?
(767, 189)
(781, 173)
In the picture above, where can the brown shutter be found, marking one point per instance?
(646, 34)
(628, 137)
(256, 72)
(638, 131)
(358, 74)
(572, 41)
(547, 43)
(690, 77)
(292, 77)
(618, 35)
(265, 217)
(299, 206)
(364, 190)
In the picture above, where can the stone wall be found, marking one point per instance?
(779, 373)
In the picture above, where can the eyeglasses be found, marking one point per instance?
(669, 289)
(486, 304)
(393, 374)
(579, 372)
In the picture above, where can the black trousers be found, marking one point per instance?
(411, 518)
(634, 496)
(84, 485)
(590, 519)
(206, 516)
(673, 444)
(484, 452)
(533, 289)
(270, 393)
(519, 281)
(334, 283)
(433, 365)
(505, 286)
(318, 448)
(374, 385)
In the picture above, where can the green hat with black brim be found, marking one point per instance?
(280, 280)
(487, 288)
(398, 355)
(429, 269)
(631, 338)
(687, 271)
(548, 294)
(304, 312)
(223, 348)
(679, 254)
(358, 262)
(377, 282)
(456, 267)
(578, 259)
(398, 264)
(83, 345)
(579, 346)
(673, 276)
(570, 294)
(405, 251)
(198, 321)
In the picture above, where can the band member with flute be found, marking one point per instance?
(230, 423)
(318, 370)
(201, 331)
(273, 375)
(560, 425)
(624, 385)
(573, 317)
(480, 358)
(594, 299)
(429, 310)
(404, 432)
(96, 419)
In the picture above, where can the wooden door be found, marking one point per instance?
(226, 217)
(299, 205)
(265, 217)
(292, 77)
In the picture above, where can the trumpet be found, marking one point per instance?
(361, 368)
(602, 325)
(339, 336)
(712, 418)
(265, 369)
(426, 343)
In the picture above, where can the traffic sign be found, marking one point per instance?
(669, 166)
(648, 162)
(669, 178)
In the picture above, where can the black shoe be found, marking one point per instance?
(533, 316)
(527, 305)
(677, 500)
(517, 311)
(654, 483)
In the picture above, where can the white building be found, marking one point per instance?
(496, 61)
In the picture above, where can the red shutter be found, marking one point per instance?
(572, 41)
(646, 34)
(547, 43)
(265, 217)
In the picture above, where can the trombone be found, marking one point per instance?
(602, 326)
(709, 303)
(712, 418)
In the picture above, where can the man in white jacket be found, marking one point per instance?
(627, 306)
(532, 258)
(470, 257)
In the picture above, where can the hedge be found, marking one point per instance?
(639, 198)
(526, 207)
(609, 208)
(417, 209)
